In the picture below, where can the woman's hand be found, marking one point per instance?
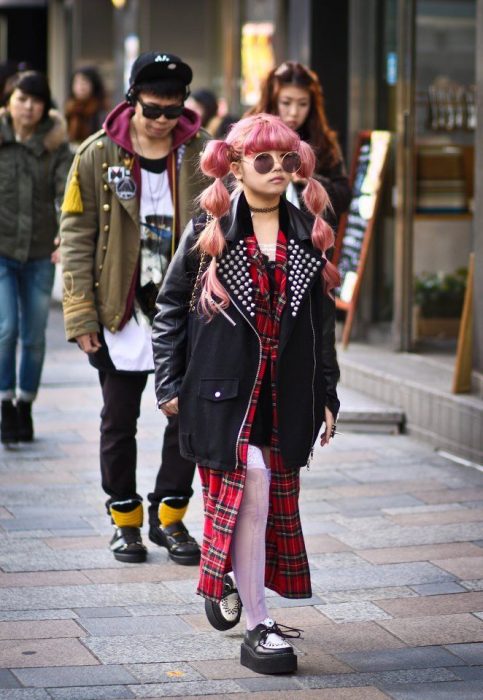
(326, 436)
(170, 408)
(55, 256)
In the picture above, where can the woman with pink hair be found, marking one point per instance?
(244, 349)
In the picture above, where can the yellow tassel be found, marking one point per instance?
(134, 518)
(169, 515)
(73, 199)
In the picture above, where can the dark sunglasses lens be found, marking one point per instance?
(154, 112)
(263, 163)
(151, 112)
(291, 162)
(173, 112)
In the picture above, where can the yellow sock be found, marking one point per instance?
(133, 518)
(169, 515)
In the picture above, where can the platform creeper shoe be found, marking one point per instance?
(225, 613)
(265, 650)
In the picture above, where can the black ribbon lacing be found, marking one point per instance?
(282, 631)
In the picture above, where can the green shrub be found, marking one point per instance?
(440, 295)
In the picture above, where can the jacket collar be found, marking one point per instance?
(304, 262)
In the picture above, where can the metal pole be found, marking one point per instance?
(403, 278)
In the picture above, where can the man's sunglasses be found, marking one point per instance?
(155, 111)
(264, 162)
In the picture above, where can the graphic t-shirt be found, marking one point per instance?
(130, 348)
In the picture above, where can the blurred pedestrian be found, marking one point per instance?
(294, 92)
(206, 104)
(85, 109)
(254, 385)
(131, 191)
(34, 162)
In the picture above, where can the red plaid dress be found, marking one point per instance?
(287, 570)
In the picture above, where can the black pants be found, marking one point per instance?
(118, 452)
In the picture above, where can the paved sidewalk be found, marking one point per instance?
(395, 538)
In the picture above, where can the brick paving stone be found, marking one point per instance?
(375, 502)
(426, 589)
(361, 636)
(456, 690)
(169, 673)
(433, 605)
(358, 611)
(8, 680)
(76, 542)
(474, 585)
(266, 683)
(56, 677)
(4, 513)
(474, 673)
(471, 654)
(151, 572)
(370, 576)
(395, 555)
(324, 544)
(170, 609)
(167, 625)
(144, 649)
(86, 596)
(443, 629)
(386, 488)
(295, 616)
(449, 495)
(46, 629)
(463, 567)
(393, 536)
(42, 578)
(111, 692)
(382, 679)
(185, 690)
(398, 659)
(332, 694)
(14, 615)
(102, 612)
(440, 518)
(44, 652)
(369, 594)
(24, 694)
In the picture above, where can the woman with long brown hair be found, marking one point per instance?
(294, 93)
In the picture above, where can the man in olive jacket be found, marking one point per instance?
(131, 191)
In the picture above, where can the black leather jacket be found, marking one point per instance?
(212, 366)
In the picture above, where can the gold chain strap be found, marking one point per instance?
(197, 285)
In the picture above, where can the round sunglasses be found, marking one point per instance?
(155, 111)
(264, 162)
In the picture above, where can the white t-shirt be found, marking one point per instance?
(130, 349)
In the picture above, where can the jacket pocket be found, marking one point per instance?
(218, 389)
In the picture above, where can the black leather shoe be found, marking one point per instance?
(259, 654)
(25, 423)
(182, 548)
(127, 545)
(225, 613)
(9, 425)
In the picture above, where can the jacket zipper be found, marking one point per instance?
(254, 383)
(311, 454)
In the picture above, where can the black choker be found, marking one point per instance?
(263, 210)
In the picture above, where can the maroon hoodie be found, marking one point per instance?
(116, 127)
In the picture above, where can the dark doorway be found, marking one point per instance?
(27, 35)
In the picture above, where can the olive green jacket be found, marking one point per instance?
(32, 180)
(100, 246)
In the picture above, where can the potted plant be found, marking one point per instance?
(439, 301)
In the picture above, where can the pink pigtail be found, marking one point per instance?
(215, 200)
(317, 200)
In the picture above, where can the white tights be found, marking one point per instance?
(248, 543)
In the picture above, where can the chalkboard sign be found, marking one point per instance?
(355, 229)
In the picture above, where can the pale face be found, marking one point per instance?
(293, 106)
(26, 110)
(81, 87)
(158, 128)
(266, 186)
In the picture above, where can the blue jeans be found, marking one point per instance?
(25, 291)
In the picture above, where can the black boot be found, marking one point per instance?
(9, 429)
(263, 653)
(24, 419)
(126, 543)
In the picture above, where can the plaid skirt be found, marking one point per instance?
(287, 569)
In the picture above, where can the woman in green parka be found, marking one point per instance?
(34, 162)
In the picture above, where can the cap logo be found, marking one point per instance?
(160, 58)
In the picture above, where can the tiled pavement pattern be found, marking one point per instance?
(395, 538)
